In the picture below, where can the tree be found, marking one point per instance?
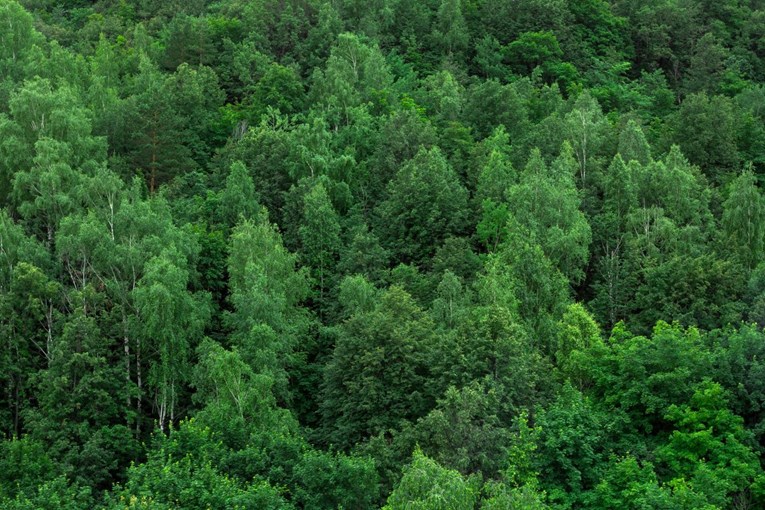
(629, 483)
(378, 372)
(425, 204)
(226, 385)
(239, 198)
(156, 147)
(81, 401)
(533, 49)
(320, 236)
(737, 367)
(451, 33)
(402, 135)
(489, 57)
(709, 447)
(363, 255)
(464, 433)
(28, 305)
(451, 301)
(494, 346)
(265, 289)
(44, 192)
(355, 73)
(20, 302)
(742, 220)
(642, 376)
(333, 480)
(573, 444)
(546, 203)
(577, 331)
(19, 43)
(195, 97)
(633, 145)
(265, 149)
(705, 129)
(172, 321)
(586, 129)
(707, 65)
(443, 96)
(108, 248)
(357, 295)
(47, 148)
(540, 289)
(496, 173)
(426, 485)
(186, 42)
(184, 482)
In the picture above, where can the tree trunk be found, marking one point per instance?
(140, 387)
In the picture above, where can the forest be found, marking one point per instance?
(382, 254)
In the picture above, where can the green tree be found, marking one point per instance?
(633, 145)
(705, 129)
(706, 67)
(81, 401)
(540, 289)
(165, 481)
(156, 147)
(228, 387)
(320, 240)
(450, 33)
(427, 485)
(239, 198)
(629, 483)
(577, 332)
(328, 480)
(546, 203)
(173, 321)
(265, 289)
(47, 148)
(20, 42)
(355, 73)
(20, 326)
(463, 431)
(742, 220)
(642, 376)
(496, 173)
(573, 444)
(533, 49)
(364, 255)
(425, 204)
(587, 129)
(709, 447)
(378, 373)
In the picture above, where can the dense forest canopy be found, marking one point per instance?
(358, 254)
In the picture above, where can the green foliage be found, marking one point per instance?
(574, 439)
(648, 375)
(540, 289)
(379, 369)
(265, 291)
(705, 129)
(427, 485)
(173, 321)
(709, 447)
(742, 220)
(547, 204)
(335, 481)
(463, 431)
(164, 482)
(254, 254)
(320, 239)
(425, 204)
(532, 49)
